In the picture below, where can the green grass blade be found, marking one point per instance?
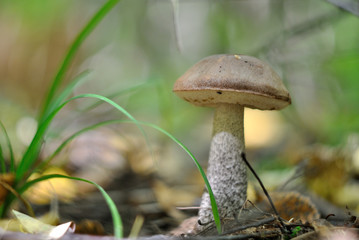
(200, 169)
(76, 134)
(31, 155)
(210, 192)
(72, 51)
(27, 163)
(115, 105)
(216, 217)
(2, 161)
(11, 152)
(118, 93)
(66, 92)
(117, 223)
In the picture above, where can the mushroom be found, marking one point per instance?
(229, 83)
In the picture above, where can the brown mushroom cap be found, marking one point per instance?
(233, 79)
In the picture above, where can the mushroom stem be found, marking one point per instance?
(229, 118)
(226, 171)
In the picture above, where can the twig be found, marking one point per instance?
(255, 224)
(301, 28)
(281, 225)
(261, 235)
(350, 6)
(257, 207)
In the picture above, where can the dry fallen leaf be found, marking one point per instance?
(90, 227)
(34, 226)
(49, 218)
(292, 205)
(60, 230)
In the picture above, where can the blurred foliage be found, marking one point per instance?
(312, 44)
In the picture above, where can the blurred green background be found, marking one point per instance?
(148, 44)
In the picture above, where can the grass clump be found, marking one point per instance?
(54, 102)
(57, 98)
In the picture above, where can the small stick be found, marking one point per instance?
(255, 224)
(243, 155)
(262, 235)
(188, 208)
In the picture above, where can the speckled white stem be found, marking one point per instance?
(226, 172)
